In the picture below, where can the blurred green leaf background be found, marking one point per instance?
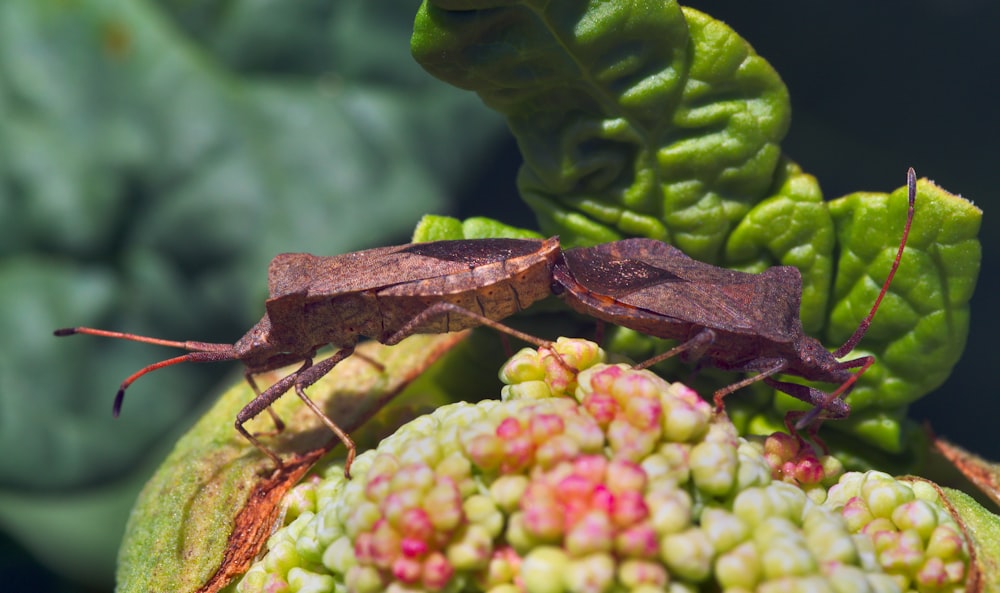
(155, 156)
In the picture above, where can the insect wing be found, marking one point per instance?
(662, 281)
(499, 277)
(382, 267)
(657, 278)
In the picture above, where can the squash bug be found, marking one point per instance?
(386, 293)
(731, 320)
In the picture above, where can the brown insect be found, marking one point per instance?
(387, 293)
(728, 319)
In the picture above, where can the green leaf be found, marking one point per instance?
(438, 228)
(634, 118)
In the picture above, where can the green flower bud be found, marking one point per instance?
(671, 509)
(783, 550)
(528, 390)
(918, 515)
(339, 556)
(594, 573)
(752, 506)
(303, 581)
(532, 374)
(713, 467)
(828, 537)
(686, 416)
(308, 544)
(883, 496)
(301, 499)
(281, 556)
(688, 554)
(507, 491)
(634, 574)
(364, 579)
(482, 510)
(670, 462)
(946, 542)
(724, 530)
(753, 468)
(471, 548)
(543, 568)
(258, 579)
(523, 367)
(739, 568)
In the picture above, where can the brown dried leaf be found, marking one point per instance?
(985, 475)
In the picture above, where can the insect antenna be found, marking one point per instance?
(911, 184)
(865, 361)
(200, 352)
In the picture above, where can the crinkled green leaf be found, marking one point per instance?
(634, 118)
(678, 141)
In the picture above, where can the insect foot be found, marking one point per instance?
(731, 320)
(387, 294)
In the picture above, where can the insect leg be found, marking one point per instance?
(279, 424)
(305, 377)
(791, 420)
(834, 408)
(826, 408)
(778, 365)
(262, 402)
(837, 394)
(378, 365)
(445, 308)
(697, 344)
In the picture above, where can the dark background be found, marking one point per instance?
(876, 87)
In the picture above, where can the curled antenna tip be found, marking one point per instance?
(806, 420)
(911, 185)
(119, 397)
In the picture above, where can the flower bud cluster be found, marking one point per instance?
(605, 479)
(905, 529)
